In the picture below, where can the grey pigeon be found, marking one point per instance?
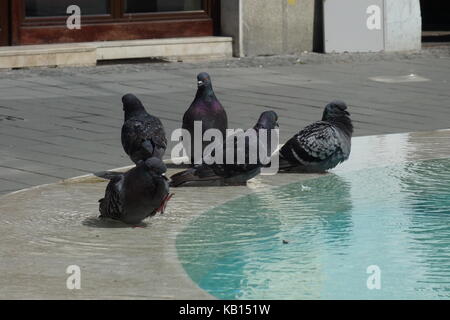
(322, 145)
(231, 173)
(143, 135)
(137, 194)
(206, 108)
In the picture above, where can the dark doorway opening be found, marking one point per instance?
(45, 21)
(435, 22)
(4, 23)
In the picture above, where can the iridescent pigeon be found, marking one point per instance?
(205, 108)
(322, 145)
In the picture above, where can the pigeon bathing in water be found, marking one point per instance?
(143, 135)
(137, 194)
(207, 109)
(322, 145)
(231, 173)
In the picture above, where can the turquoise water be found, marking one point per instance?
(397, 218)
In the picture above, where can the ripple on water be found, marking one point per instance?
(336, 226)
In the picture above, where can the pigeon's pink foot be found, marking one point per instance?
(163, 205)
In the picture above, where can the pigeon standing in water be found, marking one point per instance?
(232, 173)
(137, 194)
(322, 145)
(207, 109)
(143, 135)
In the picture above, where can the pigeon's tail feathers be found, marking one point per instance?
(109, 175)
(197, 176)
(242, 178)
(111, 205)
(183, 177)
(284, 165)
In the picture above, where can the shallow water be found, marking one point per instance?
(397, 218)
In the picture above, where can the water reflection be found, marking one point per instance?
(427, 189)
(240, 244)
(395, 217)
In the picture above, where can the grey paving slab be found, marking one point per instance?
(7, 185)
(25, 176)
(72, 116)
(99, 157)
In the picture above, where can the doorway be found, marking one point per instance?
(25, 22)
(435, 21)
(4, 23)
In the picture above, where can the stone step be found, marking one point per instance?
(174, 48)
(87, 54)
(71, 54)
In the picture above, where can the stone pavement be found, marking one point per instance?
(60, 123)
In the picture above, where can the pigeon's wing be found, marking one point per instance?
(239, 155)
(316, 142)
(144, 138)
(154, 132)
(131, 137)
(187, 119)
(236, 170)
(111, 205)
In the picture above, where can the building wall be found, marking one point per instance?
(271, 27)
(231, 24)
(268, 27)
(403, 25)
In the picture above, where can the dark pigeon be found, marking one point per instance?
(234, 173)
(322, 145)
(205, 108)
(143, 135)
(137, 194)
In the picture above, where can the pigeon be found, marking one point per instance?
(143, 135)
(322, 145)
(234, 173)
(137, 194)
(207, 109)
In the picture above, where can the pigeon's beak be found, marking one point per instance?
(347, 113)
(200, 83)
